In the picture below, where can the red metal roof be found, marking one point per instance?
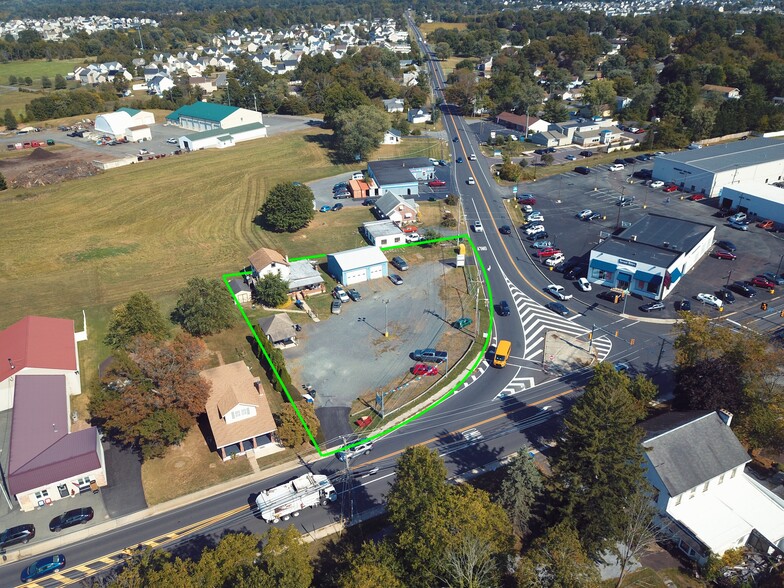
(42, 451)
(39, 342)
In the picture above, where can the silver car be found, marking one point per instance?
(542, 244)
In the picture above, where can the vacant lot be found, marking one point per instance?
(429, 27)
(37, 68)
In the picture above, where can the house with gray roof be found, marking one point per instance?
(401, 176)
(280, 330)
(705, 501)
(399, 210)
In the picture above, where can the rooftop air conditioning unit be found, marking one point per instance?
(633, 238)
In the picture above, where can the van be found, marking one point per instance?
(357, 176)
(617, 167)
(502, 351)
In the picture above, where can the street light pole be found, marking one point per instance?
(386, 318)
(778, 269)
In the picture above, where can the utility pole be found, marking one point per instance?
(590, 338)
(386, 318)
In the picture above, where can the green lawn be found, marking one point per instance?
(37, 68)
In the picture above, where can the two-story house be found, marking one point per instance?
(705, 501)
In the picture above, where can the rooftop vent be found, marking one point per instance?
(633, 238)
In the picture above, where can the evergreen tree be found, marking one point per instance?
(12, 80)
(598, 462)
(46, 82)
(3, 184)
(10, 120)
(28, 81)
(520, 489)
(59, 82)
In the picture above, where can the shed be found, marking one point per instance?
(241, 290)
(383, 233)
(279, 330)
(138, 133)
(357, 265)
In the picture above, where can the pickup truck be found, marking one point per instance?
(430, 354)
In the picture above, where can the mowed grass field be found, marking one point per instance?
(89, 244)
(37, 68)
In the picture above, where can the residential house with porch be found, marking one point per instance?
(399, 210)
(705, 501)
(238, 412)
(302, 275)
(279, 330)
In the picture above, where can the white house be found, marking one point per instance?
(400, 210)
(160, 84)
(419, 115)
(391, 137)
(705, 500)
(394, 105)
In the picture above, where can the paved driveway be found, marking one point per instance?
(348, 355)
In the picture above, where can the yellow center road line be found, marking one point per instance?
(476, 424)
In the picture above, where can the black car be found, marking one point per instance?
(503, 308)
(540, 151)
(575, 272)
(586, 153)
(550, 150)
(369, 202)
(505, 230)
(684, 305)
(727, 246)
(743, 289)
(723, 213)
(557, 308)
(642, 158)
(354, 295)
(537, 236)
(619, 161)
(630, 160)
(77, 516)
(651, 306)
(726, 296)
(582, 170)
(16, 535)
(643, 174)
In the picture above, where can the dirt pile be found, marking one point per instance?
(39, 154)
(52, 173)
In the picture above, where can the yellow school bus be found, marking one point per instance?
(502, 351)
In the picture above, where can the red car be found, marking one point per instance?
(697, 197)
(670, 188)
(436, 183)
(766, 224)
(409, 229)
(422, 369)
(720, 254)
(762, 282)
(529, 200)
(547, 252)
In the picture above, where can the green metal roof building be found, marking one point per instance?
(205, 116)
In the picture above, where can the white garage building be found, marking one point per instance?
(127, 123)
(709, 169)
(357, 265)
(222, 138)
(761, 200)
(206, 116)
(651, 256)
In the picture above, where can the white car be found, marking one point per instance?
(617, 167)
(413, 237)
(171, 141)
(470, 181)
(710, 300)
(558, 292)
(478, 228)
(534, 229)
(535, 217)
(584, 285)
(527, 208)
(144, 152)
(340, 294)
(584, 214)
(738, 217)
(656, 184)
(741, 226)
(555, 260)
(472, 157)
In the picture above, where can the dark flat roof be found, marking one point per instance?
(730, 155)
(397, 171)
(639, 252)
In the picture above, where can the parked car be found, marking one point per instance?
(336, 306)
(477, 226)
(337, 207)
(341, 195)
(325, 208)
(422, 369)
(171, 141)
(571, 157)
(594, 216)
(16, 535)
(625, 202)
(538, 236)
(43, 567)
(740, 226)
(534, 229)
(558, 292)
(503, 308)
(726, 296)
(651, 306)
(584, 214)
(543, 244)
(684, 305)
(630, 160)
(586, 153)
(766, 224)
(442, 163)
(776, 279)
(738, 217)
(529, 199)
(619, 161)
(399, 263)
(555, 260)
(505, 230)
(461, 323)
(670, 188)
(70, 518)
(721, 254)
(727, 246)
(575, 272)
(557, 308)
(430, 354)
(617, 167)
(526, 208)
(547, 252)
(582, 170)
(357, 176)
(535, 216)
(723, 213)
(710, 300)
(656, 184)
(395, 279)
(743, 289)
(340, 187)
(340, 294)
(584, 285)
(369, 202)
(762, 282)
(354, 295)
(436, 183)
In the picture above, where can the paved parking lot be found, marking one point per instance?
(348, 355)
(561, 197)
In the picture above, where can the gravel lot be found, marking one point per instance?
(561, 197)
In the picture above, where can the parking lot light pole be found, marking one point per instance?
(778, 269)
(729, 275)
(386, 318)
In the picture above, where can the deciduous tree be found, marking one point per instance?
(375, 565)
(290, 430)
(3, 184)
(46, 82)
(204, 307)
(59, 82)
(272, 290)
(638, 531)
(151, 395)
(598, 93)
(140, 315)
(285, 560)
(288, 208)
(358, 132)
(10, 120)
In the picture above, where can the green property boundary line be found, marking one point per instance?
(480, 264)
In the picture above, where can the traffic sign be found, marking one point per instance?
(514, 189)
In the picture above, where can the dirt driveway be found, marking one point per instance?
(348, 355)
